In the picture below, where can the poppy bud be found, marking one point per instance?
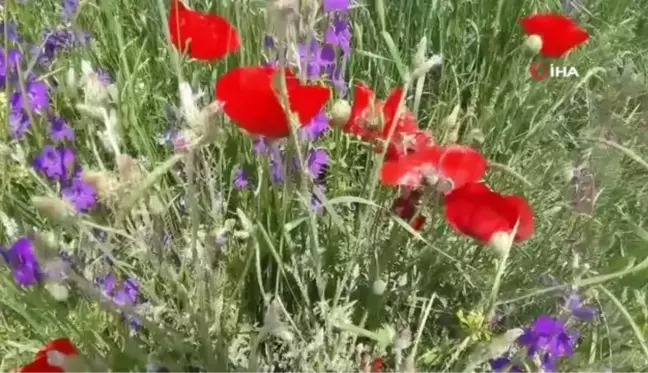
(501, 242)
(340, 113)
(533, 43)
(379, 286)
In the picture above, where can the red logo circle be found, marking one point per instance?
(539, 70)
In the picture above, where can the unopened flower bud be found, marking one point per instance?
(378, 287)
(533, 43)
(340, 113)
(501, 242)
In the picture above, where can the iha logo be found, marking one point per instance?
(541, 71)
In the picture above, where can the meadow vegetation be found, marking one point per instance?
(222, 256)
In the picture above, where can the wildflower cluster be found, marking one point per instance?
(289, 94)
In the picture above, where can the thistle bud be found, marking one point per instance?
(340, 113)
(533, 43)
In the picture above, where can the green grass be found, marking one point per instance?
(214, 312)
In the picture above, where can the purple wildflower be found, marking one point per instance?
(339, 34)
(268, 42)
(104, 78)
(574, 304)
(240, 179)
(12, 33)
(277, 171)
(80, 194)
(8, 72)
(55, 41)
(263, 146)
(336, 5)
(70, 8)
(316, 204)
(126, 294)
(60, 130)
(317, 162)
(37, 98)
(38, 94)
(503, 364)
(549, 334)
(315, 57)
(55, 163)
(315, 129)
(18, 119)
(334, 73)
(22, 260)
(260, 146)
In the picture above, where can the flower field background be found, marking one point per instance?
(425, 206)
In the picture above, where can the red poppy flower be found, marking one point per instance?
(477, 211)
(250, 100)
(446, 167)
(559, 34)
(371, 119)
(204, 36)
(51, 357)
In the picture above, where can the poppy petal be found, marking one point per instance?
(557, 45)
(479, 212)
(524, 217)
(39, 365)
(204, 36)
(541, 23)
(462, 165)
(389, 109)
(249, 99)
(396, 173)
(362, 98)
(559, 34)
